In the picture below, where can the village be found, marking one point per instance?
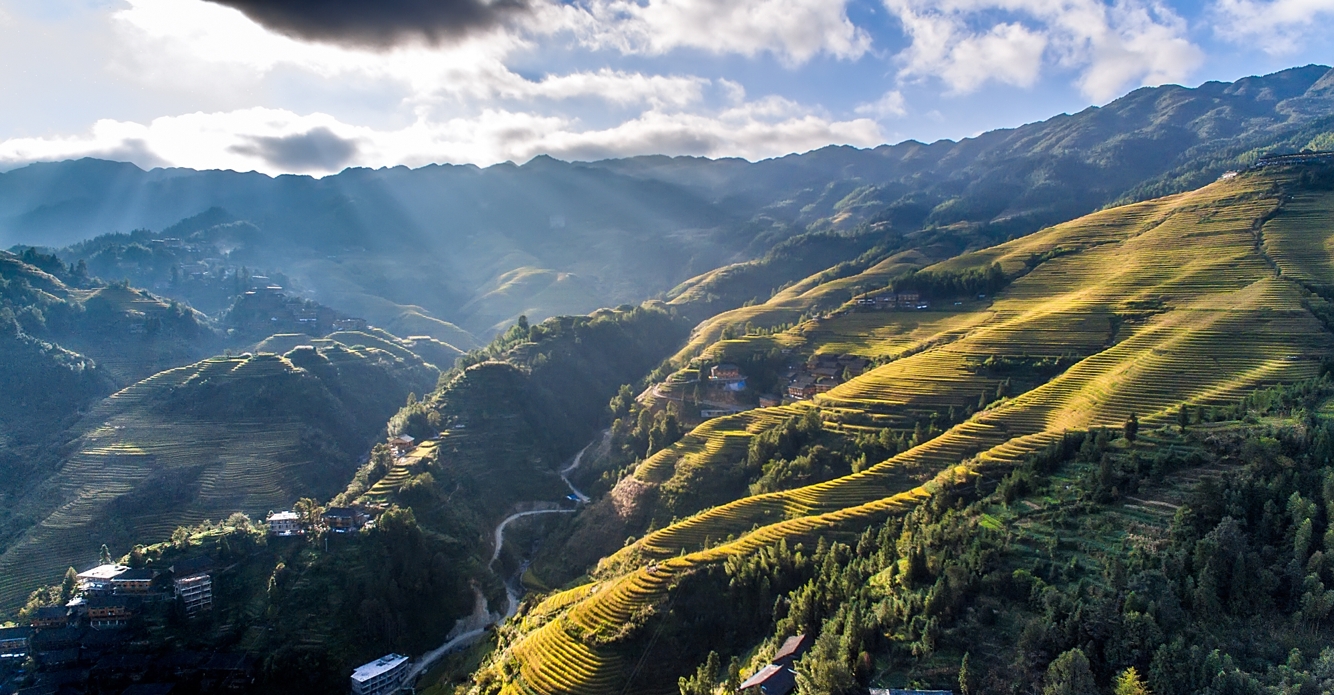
(81, 645)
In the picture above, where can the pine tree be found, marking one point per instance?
(1130, 683)
(1069, 674)
(104, 557)
(1131, 428)
(965, 678)
(68, 586)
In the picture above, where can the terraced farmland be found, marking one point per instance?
(789, 304)
(1154, 305)
(228, 434)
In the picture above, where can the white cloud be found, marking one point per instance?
(967, 43)
(263, 139)
(793, 30)
(1280, 27)
(890, 104)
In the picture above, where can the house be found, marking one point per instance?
(769, 400)
(725, 372)
(384, 675)
(98, 579)
(728, 376)
(401, 444)
(284, 524)
(801, 387)
(15, 642)
(707, 413)
(133, 582)
(48, 617)
(110, 611)
(908, 299)
(193, 581)
(56, 638)
(780, 676)
(349, 325)
(823, 384)
(58, 658)
(344, 519)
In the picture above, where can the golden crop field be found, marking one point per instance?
(1192, 299)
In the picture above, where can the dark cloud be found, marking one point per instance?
(317, 149)
(377, 23)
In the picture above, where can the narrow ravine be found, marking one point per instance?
(467, 631)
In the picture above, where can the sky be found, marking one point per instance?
(314, 86)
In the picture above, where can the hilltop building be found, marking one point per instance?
(284, 524)
(344, 519)
(15, 642)
(401, 444)
(349, 324)
(728, 376)
(382, 676)
(133, 582)
(1297, 158)
(110, 611)
(98, 579)
(48, 617)
(193, 582)
(780, 676)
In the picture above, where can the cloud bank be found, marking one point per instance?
(378, 23)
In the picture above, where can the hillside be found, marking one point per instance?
(476, 248)
(248, 434)
(1198, 298)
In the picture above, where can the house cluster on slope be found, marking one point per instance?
(287, 524)
(87, 645)
(822, 373)
(886, 301)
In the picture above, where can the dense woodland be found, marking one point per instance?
(1030, 581)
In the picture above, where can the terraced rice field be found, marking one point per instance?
(788, 305)
(383, 490)
(169, 471)
(1161, 303)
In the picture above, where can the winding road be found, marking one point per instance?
(470, 629)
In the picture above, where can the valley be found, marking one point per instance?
(940, 409)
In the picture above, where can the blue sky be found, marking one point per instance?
(200, 84)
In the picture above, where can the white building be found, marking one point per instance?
(284, 524)
(193, 580)
(382, 676)
(98, 579)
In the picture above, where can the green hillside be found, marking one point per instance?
(1195, 299)
(229, 434)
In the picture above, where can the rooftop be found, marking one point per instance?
(793, 647)
(381, 665)
(284, 516)
(103, 572)
(194, 565)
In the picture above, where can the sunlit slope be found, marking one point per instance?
(823, 290)
(228, 434)
(1157, 304)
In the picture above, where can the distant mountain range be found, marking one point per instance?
(445, 246)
